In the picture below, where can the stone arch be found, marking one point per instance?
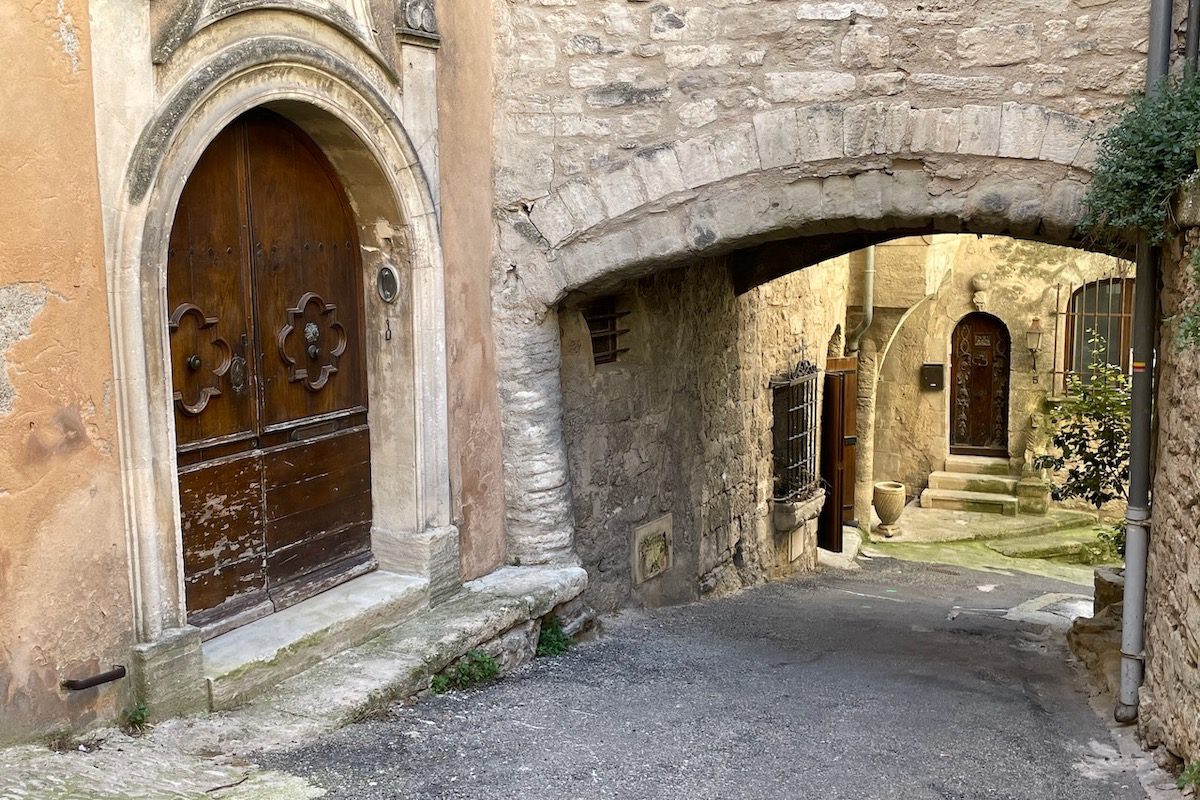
(756, 218)
(392, 201)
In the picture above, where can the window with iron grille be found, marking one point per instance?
(1101, 309)
(794, 433)
(603, 321)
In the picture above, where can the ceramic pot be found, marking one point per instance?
(889, 504)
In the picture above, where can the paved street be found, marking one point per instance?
(902, 680)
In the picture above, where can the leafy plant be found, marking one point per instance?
(135, 719)
(1190, 777)
(1091, 435)
(552, 640)
(475, 667)
(1143, 158)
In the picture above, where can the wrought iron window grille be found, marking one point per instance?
(603, 321)
(794, 433)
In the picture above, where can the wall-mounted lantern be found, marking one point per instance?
(1033, 341)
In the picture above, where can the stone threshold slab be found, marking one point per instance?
(396, 664)
(246, 661)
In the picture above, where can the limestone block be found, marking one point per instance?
(693, 56)
(699, 113)
(620, 190)
(998, 45)
(874, 128)
(736, 150)
(883, 83)
(934, 130)
(833, 11)
(697, 161)
(584, 204)
(808, 87)
(659, 171)
(1033, 495)
(168, 674)
(778, 136)
(980, 134)
(1022, 130)
(863, 49)
(820, 132)
(552, 219)
(975, 87)
(624, 93)
(1065, 134)
(909, 195)
(1063, 207)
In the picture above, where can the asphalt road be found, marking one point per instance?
(899, 681)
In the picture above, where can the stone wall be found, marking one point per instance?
(65, 609)
(681, 425)
(911, 433)
(1171, 695)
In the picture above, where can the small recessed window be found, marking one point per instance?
(604, 323)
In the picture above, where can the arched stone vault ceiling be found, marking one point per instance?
(635, 135)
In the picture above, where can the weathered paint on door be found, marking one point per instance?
(264, 288)
(979, 377)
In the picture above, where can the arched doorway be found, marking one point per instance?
(265, 305)
(980, 363)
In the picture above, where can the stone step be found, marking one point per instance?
(246, 661)
(977, 465)
(973, 482)
(958, 500)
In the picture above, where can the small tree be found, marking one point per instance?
(1091, 435)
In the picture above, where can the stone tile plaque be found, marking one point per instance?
(651, 549)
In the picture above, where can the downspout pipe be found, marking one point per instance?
(868, 303)
(1191, 51)
(1145, 323)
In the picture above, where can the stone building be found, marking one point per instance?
(484, 177)
(232, 231)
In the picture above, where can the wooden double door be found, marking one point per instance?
(264, 293)
(980, 362)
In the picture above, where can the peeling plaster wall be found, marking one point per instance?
(65, 610)
(911, 424)
(465, 110)
(681, 424)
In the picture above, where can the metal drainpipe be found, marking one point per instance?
(1137, 518)
(868, 301)
(1191, 52)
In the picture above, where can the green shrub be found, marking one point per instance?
(1142, 159)
(552, 640)
(1190, 776)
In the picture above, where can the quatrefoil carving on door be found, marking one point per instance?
(320, 335)
(213, 356)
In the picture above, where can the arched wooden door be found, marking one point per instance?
(264, 291)
(979, 375)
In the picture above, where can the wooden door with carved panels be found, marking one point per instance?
(264, 292)
(979, 377)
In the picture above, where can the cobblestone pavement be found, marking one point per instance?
(900, 680)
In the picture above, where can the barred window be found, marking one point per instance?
(1101, 309)
(603, 320)
(794, 433)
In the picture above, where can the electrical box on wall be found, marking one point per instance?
(933, 377)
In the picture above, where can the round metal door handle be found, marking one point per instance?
(193, 362)
(313, 351)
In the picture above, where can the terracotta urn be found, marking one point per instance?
(889, 504)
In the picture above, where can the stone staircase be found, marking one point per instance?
(973, 483)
